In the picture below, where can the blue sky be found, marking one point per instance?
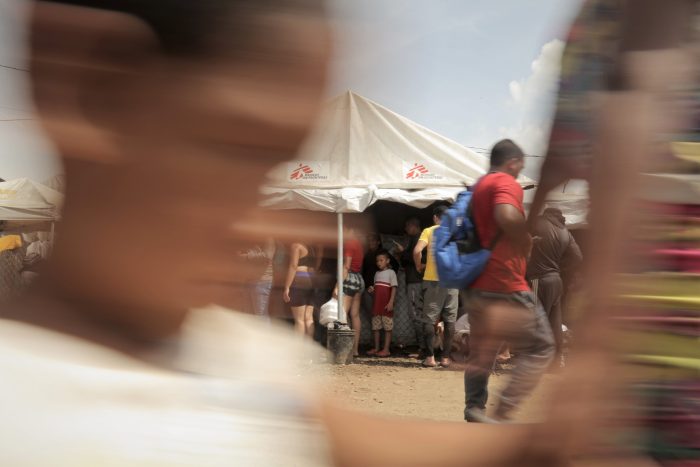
(473, 70)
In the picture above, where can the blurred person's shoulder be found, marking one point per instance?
(213, 336)
(496, 180)
(505, 181)
(229, 388)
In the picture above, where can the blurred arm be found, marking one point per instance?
(390, 442)
(418, 254)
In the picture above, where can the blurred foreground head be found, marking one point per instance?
(167, 114)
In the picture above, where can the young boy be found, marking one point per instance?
(384, 290)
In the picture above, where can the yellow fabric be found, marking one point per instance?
(687, 151)
(10, 242)
(426, 236)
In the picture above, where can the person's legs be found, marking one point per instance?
(388, 326)
(550, 292)
(429, 342)
(482, 353)
(386, 351)
(433, 299)
(367, 303)
(354, 286)
(356, 322)
(533, 342)
(376, 330)
(555, 322)
(449, 316)
(415, 308)
(309, 327)
(298, 312)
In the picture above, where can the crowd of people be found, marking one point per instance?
(526, 270)
(21, 259)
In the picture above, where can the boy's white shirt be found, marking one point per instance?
(231, 390)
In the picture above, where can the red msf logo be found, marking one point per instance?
(300, 171)
(416, 171)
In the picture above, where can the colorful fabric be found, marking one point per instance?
(382, 322)
(587, 66)
(353, 284)
(659, 307)
(10, 242)
(384, 283)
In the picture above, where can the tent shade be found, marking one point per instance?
(361, 151)
(571, 199)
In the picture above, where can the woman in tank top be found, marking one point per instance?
(299, 289)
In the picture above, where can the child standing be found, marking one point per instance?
(384, 291)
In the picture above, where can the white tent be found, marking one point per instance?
(23, 200)
(571, 198)
(362, 152)
(57, 182)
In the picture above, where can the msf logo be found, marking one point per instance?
(416, 171)
(300, 172)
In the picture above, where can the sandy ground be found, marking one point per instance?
(399, 386)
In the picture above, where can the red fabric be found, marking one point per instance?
(353, 249)
(382, 295)
(505, 271)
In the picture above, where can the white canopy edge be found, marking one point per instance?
(25, 200)
(349, 200)
(355, 200)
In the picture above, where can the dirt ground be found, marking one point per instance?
(399, 386)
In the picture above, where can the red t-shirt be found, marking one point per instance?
(505, 271)
(353, 249)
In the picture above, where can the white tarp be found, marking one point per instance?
(353, 199)
(571, 199)
(361, 153)
(25, 200)
(57, 182)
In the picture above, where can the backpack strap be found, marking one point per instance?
(470, 213)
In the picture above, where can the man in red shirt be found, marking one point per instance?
(501, 306)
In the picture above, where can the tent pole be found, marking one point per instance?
(341, 261)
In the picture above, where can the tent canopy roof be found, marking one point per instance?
(25, 200)
(364, 151)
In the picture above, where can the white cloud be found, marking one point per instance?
(516, 90)
(532, 99)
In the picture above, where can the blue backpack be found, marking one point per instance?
(459, 257)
